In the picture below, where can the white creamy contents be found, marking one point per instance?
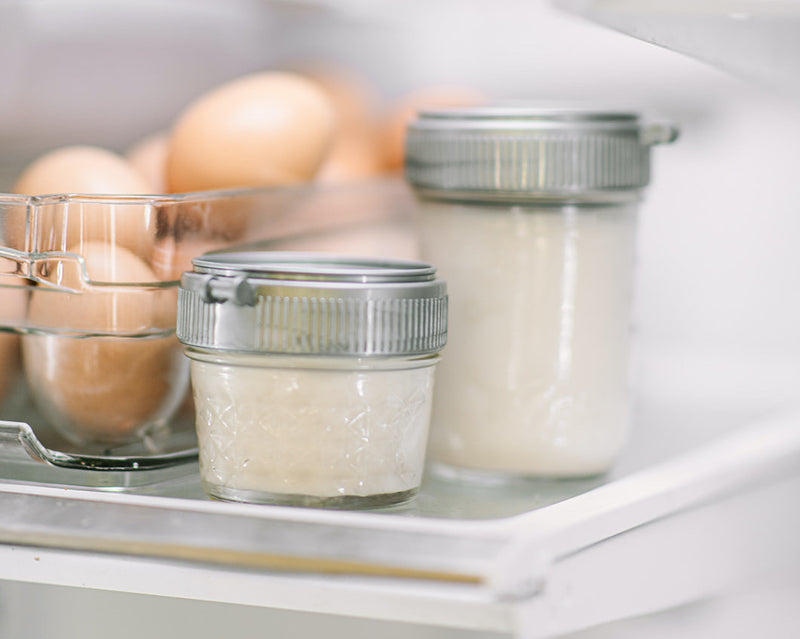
(535, 376)
(311, 426)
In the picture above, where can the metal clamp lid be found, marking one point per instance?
(548, 151)
(312, 304)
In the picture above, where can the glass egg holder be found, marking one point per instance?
(46, 251)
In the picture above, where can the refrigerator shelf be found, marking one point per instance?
(698, 504)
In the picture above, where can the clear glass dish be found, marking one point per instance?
(88, 296)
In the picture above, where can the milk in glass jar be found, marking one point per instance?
(530, 216)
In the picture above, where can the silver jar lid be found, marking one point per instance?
(312, 304)
(530, 151)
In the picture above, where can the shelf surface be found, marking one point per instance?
(490, 556)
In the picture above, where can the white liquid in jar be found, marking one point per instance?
(535, 375)
(310, 429)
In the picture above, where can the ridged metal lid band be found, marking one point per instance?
(316, 312)
(530, 151)
(513, 163)
(318, 326)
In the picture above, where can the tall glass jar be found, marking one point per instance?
(312, 375)
(530, 215)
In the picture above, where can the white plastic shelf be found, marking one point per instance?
(702, 502)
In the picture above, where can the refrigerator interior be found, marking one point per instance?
(716, 310)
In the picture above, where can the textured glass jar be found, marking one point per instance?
(530, 215)
(312, 375)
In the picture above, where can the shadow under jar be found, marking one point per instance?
(312, 375)
(530, 215)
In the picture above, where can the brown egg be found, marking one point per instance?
(96, 306)
(356, 155)
(393, 130)
(149, 158)
(371, 219)
(264, 129)
(93, 171)
(223, 218)
(91, 378)
(191, 226)
(81, 169)
(355, 152)
(9, 362)
(352, 98)
(13, 223)
(386, 232)
(171, 259)
(12, 314)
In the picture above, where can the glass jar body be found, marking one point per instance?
(535, 378)
(340, 432)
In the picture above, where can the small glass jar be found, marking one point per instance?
(312, 375)
(530, 215)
